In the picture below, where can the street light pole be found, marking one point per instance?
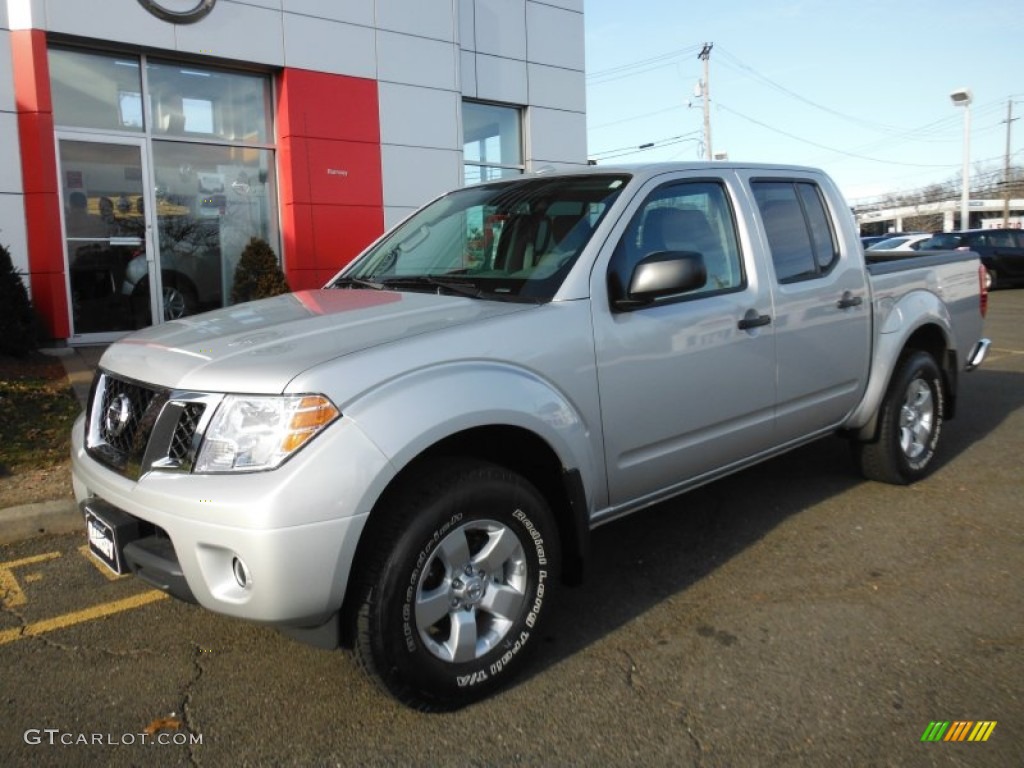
(962, 98)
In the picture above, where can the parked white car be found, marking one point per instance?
(903, 242)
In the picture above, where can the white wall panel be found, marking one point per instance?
(3, 15)
(124, 22)
(500, 28)
(275, 4)
(12, 230)
(234, 31)
(10, 155)
(393, 216)
(554, 36)
(413, 176)
(468, 74)
(467, 21)
(26, 14)
(352, 11)
(499, 79)
(419, 117)
(329, 46)
(426, 18)
(416, 61)
(554, 136)
(570, 5)
(7, 103)
(558, 88)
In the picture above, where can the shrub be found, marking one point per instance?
(258, 274)
(17, 320)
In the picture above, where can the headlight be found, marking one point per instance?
(249, 433)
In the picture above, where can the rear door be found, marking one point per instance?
(821, 310)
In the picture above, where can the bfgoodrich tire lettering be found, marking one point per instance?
(910, 422)
(455, 585)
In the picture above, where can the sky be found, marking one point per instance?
(860, 89)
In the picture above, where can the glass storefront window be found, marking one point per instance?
(195, 102)
(210, 201)
(492, 142)
(92, 90)
(167, 172)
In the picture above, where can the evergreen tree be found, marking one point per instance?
(17, 320)
(258, 274)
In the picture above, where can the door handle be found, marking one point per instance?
(849, 300)
(753, 320)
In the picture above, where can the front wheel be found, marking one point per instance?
(461, 566)
(910, 420)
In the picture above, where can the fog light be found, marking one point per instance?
(241, 572)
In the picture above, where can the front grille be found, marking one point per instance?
(133, 428)
(182, 450)
(121, 419)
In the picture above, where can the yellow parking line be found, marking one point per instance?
(10, 591)
(77, 617)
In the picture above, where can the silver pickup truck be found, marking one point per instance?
(410, 460)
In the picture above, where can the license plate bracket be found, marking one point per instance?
(108, 529)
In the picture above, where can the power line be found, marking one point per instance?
(824, 146)
(609, 154)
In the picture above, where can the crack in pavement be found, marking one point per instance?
(187, 717)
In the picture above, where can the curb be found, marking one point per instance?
(28, 520)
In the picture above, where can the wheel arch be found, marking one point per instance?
(930, 337)
(511, 447)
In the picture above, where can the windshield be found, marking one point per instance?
(513, 240)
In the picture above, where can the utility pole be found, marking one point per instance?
(705, 87)
(1006, 165)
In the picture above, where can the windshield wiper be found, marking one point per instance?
(414, 281)
(357, 282)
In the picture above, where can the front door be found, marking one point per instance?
(687, 383)
(106, 235)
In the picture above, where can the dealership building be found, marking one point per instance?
(143, 144)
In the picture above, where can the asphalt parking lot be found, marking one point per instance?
(790, 615)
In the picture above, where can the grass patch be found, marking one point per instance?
(37, 409)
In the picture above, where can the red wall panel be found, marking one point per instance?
(39, 179)
(332, 198)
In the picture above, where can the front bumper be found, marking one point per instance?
(292, 532)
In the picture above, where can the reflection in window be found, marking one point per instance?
(92, 90)
(211, 200)
(190, 101)
(492, 143)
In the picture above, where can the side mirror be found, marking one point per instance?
(663, 273)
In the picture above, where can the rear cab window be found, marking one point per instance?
(801, 238)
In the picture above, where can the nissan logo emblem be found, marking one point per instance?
(179, 11)
(117, 415)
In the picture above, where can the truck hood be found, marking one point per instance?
(260, 346)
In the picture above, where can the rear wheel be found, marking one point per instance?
(453, 587)
(991, 279)
(179, 301)
(910, 421)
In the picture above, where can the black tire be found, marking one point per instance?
(910, 422)
(453, 585)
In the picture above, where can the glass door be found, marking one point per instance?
(106, 234)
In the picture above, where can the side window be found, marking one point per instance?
(796, 222)
(688, 216)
